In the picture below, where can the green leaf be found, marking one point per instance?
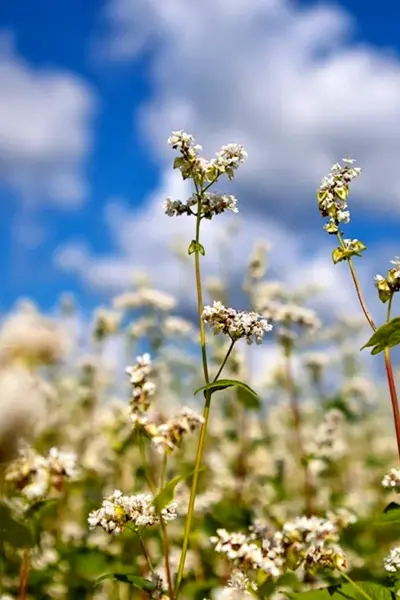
(386, 336)
(249, 396)
(250, 400)
(166, 495)
(391, 516)
(178, 162)
(13, 532)
(346, 592)
(141, 583)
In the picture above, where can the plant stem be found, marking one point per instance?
(356, 586)
(388, 362)
(23, 576)
(145, 553)
(224, 361)
(164, 533)
(294, 405)
(206, 410)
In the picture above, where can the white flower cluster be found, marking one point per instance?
(142, 388)
(310, 542)
(235, 324)
(192, 165)
(391, 480)
(211, 204)
(333, 193)
(106, 322)
(168, 436)
(118, 510)
(391, 562)
(328, 443)
(145, 298)
(34, 475)
(290, 314)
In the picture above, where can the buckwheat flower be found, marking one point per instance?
(142, 388)
(177, 326)
(215, 204)
(118, 510)
(391, 562)
(32, 339)
(106, 322)
(333, 192)
(170, 435)
(238, 586)
(229, 158)
(325, 557)
(176, 208)
(392, 480)
(145, 298)
(235, 324)
(22, 406)
(61, 465)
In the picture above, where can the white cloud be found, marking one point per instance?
(45, 130)
(282, 79)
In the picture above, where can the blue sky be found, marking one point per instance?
(132, 72)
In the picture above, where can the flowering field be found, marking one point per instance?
(117, 483)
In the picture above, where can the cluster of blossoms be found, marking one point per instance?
(388, 286)
(235, 324)
(332, 203)
(211, 204)
(106, 322)
(118, 510)
(165, 436)
(142, 388)
(307, 542)
(35, 475)
(289, 314)
(192, 165)
(328, 443)
(333, 193)
(391, 562)
(391, 480)
(168, 436)
(145, 298)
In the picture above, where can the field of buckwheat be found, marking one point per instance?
(182, 471)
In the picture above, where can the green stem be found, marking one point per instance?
(164, 533)
(144, 550)
(206, 410)
(224, 361)
(356, 586)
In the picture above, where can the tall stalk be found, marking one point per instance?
(206, 409)
(388, 362)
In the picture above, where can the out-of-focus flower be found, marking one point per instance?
(170, 435)
(142, 388)
(106, 322)
(33, 475)
(392, 561)
(391, 480)
(22, 404)
(145, 298)
(32, 339)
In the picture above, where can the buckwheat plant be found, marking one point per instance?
(202, 205)
(332, 198)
